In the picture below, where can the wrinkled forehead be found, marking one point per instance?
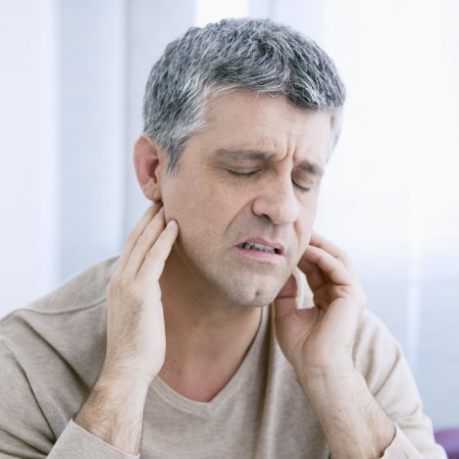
(246, 121)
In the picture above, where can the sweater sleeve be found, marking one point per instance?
(380, 359)
(77, 443)
(24, 429)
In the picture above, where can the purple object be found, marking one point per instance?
(449, 439)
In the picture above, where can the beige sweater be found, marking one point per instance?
(51, 353)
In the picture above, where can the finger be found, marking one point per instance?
(314, 275)
(144, 243)
(156, 257)
(320, 241)
(334, 268)
(286, 315)
(290, 288)
(286, 299)
(138, 229)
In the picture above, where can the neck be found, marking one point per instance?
(207, 336)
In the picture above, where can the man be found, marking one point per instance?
(191, 344)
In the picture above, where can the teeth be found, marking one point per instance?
(255, 246)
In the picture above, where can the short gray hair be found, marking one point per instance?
(256, 54)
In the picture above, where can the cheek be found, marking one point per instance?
(181, 197)
(200, 211)
(303, 229)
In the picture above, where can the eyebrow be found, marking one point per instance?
(258, 155)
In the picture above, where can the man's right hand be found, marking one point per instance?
(136, 342)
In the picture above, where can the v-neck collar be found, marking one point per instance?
(244, 372)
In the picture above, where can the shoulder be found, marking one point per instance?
(380, 359)
(65, 325)
(80, 291)
(51, 351)
(84, 290)
(374, 342)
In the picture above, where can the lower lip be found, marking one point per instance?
(259, 255)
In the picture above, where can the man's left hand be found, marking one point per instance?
(319, 341)
(321, 337)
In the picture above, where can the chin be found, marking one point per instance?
(254, 296)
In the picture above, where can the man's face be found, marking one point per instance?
(249, 181)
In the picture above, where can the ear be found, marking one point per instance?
(149, 163)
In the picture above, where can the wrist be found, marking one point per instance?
(113, 411)
(348, 412)
(332, 388)
(131, 388)
(314, 377)
(122, 375)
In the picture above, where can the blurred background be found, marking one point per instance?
(72, 75)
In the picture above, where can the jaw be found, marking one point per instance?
(247, 288)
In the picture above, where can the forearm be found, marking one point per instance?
(114, 411)
(354, 423)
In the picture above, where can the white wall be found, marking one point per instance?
(28, 189)
(91, 124)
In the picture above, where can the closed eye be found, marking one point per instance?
(249, 173)
(242, 173)
(302, 188)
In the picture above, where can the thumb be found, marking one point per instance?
(286, 324)
(286, 300)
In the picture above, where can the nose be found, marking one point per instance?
(277, 201)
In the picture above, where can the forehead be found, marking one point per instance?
(243, 120)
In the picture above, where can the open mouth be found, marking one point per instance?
(259, 247)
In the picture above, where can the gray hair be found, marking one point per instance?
(256, 54)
